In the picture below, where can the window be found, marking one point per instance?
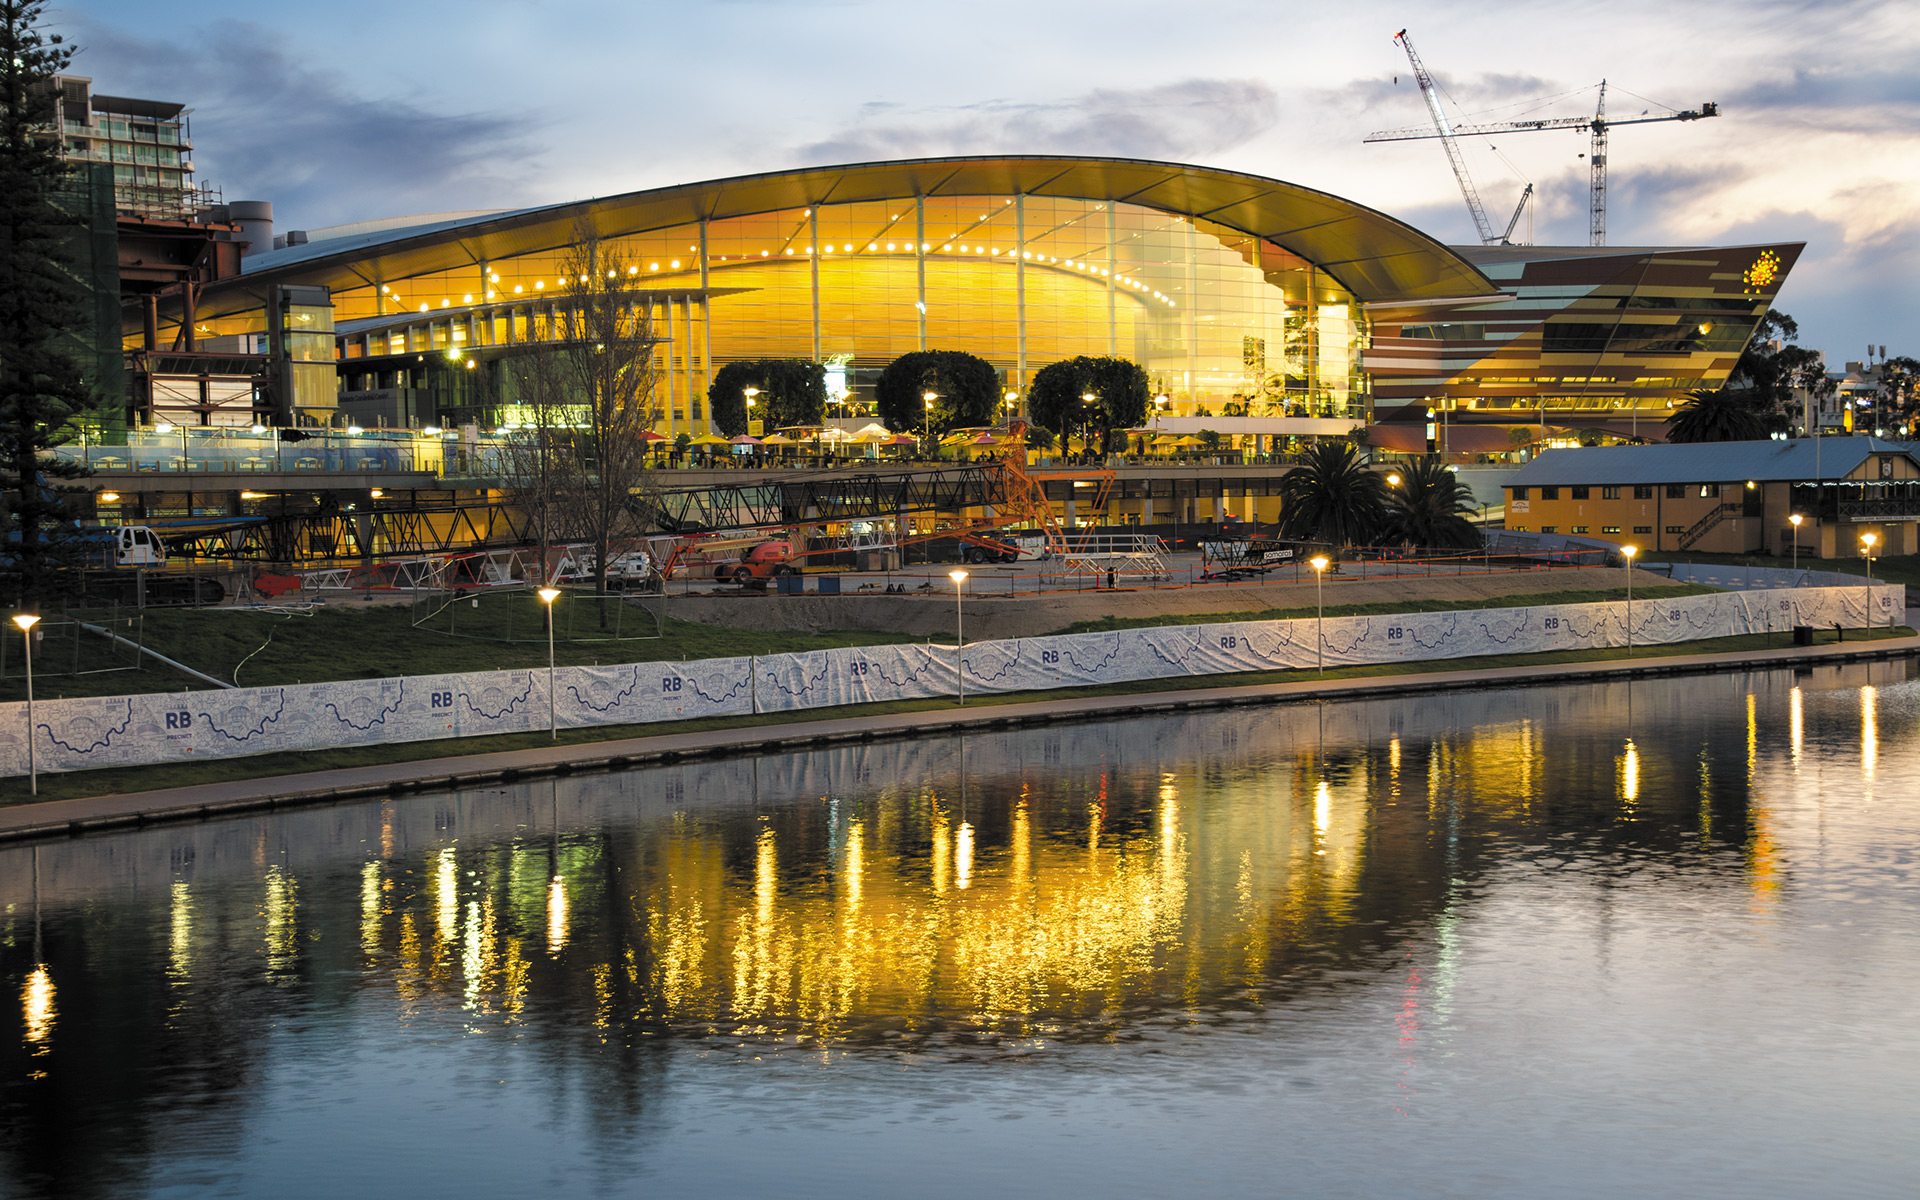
(1709, 491)
(1519, 528)
(1642, 491)
(1609, 529)
(1579, 493)
(1676, 491)
(1579, 528)
(1519, 493)
(1675, 529)
(1549, 529)
(1609, 493)
(1549, 493)
(1643, 529)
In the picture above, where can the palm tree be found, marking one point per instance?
(1331, 497)
(1428, 506)
(1717, 416)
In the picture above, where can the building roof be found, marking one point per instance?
(1704, 462)
(1371, 254)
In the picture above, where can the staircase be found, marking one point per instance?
(1707, 523)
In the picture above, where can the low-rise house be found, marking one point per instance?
(1726, 497)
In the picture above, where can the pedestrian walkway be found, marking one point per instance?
(63, 818)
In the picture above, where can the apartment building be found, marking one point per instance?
(149, 144)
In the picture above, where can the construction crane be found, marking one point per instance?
(1597, 125)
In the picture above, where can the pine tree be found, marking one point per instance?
(41, 386)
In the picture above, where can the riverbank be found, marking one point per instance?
(616, 748)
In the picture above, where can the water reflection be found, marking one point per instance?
(999, 896)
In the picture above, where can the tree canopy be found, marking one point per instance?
(792, 391)
(1718, 416)
(1331, 497)
(1119, 389)
(1429, 507)
(966, 392)
(41, 387)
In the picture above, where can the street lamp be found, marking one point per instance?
(26, 622)
(1393, 479)
(1319, 564)
(959, 632)
(926, 425)
(1796, 518)
(1867, 540)
(1629, 552)
(547, 597)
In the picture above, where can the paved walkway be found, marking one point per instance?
(63, 818)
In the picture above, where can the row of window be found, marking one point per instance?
(1604, 529)
(1641, 491)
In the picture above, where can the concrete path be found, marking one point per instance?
(65, 818)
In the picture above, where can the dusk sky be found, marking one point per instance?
(355, 110)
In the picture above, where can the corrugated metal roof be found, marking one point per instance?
(1703, 462)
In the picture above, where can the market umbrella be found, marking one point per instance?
(708, 439)
(1190, 440)
(745, 439)
(778, 439)
(649, 435)
(873, 432)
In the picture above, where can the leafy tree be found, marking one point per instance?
(792, 391)
(1764, 377)
(1119, 388)
(1040, 437)
(1429, 507)
(1331, 497)
(1717, 416)
(1899, 389)
(966, 391)
(41, 387)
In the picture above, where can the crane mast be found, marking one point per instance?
(1597, 125)
(1445, 134)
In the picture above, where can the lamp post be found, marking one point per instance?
(547, 597)
(926, 426)
(959, 633)
(1629, 552)
(1086, 406)
(26, 622)
(1796, 518)
(1867, 540)
(1319, 564)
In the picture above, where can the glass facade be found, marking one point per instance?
(1225, 323)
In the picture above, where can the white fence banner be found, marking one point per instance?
(78, 735)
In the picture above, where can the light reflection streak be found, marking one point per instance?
(1869, 730)
(1322, 815)
(1630, 773)
(282, 902)
(556, 914)
(1796, 723)
(37, 999)
(370, 906)
(963, 856)
(446, 909)
(180, 932)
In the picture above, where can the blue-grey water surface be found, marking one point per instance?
(1612, 939)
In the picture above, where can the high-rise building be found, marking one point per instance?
(149, 144)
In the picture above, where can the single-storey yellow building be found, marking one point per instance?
(1727, 497)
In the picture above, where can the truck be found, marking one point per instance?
(759, 563)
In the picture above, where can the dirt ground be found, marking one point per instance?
(987, 615)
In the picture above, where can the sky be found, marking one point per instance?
(355, 110)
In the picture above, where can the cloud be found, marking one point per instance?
(266, 126)
(1174, 121)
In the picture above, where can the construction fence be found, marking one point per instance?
(76, 735)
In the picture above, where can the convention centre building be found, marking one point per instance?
(1264, 311)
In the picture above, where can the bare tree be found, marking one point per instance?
(589, 386)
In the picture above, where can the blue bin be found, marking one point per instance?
(829, 585)
(790, 585)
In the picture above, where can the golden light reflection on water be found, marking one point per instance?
(37, 1000)
(179, 931)
(1630, 773)
(280, 910)
(556, 915)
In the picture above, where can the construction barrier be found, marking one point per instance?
(75, 735)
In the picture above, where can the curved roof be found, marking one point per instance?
(1373, 255)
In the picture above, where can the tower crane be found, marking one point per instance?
(1597, 125)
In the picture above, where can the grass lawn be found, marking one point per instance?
(133, 779)
(1655, 590)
